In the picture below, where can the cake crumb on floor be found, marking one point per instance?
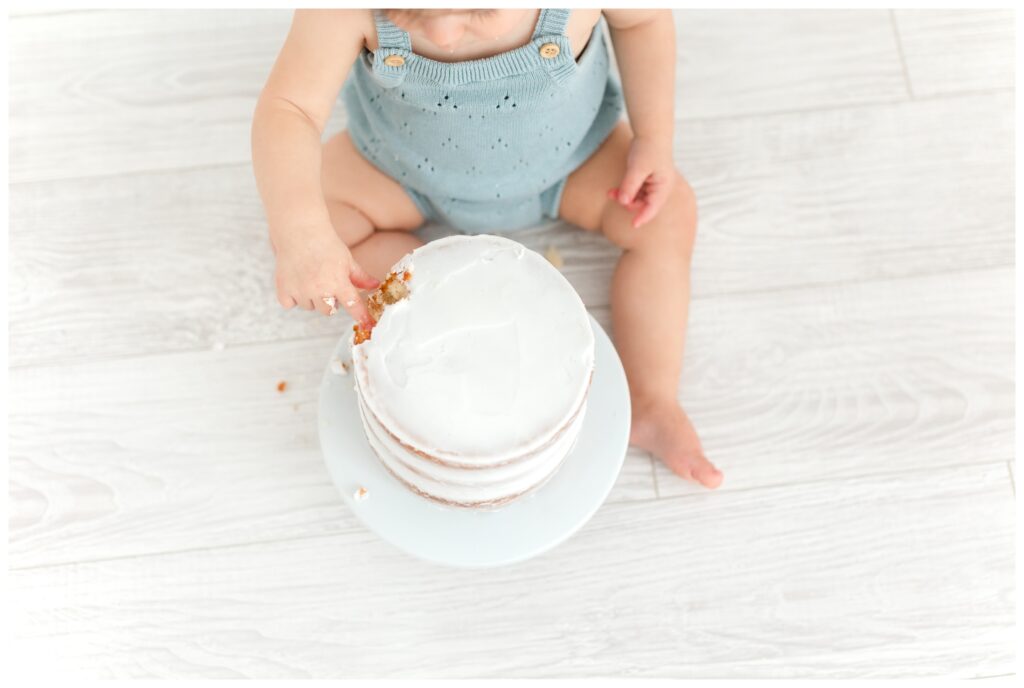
(554, 257)
(281, 386)
(361, 494)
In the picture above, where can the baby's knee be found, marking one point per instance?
(685, 202)
(683, 195)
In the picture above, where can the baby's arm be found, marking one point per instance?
(645, 48)
(313, 264)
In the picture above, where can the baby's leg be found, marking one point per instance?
(370, 211)
(650, 300)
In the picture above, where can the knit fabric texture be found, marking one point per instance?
(483, 145)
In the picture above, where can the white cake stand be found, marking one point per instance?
(472, 538)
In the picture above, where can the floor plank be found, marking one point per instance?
(851, 194)
(179, 260)
(125, 91)
(951, 51)
(908, 575)
(733, 62)
(154, 454)
(855, 379)
(121, 92)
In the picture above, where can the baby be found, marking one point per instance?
(487, 120)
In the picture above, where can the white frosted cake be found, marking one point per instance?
(473, 384)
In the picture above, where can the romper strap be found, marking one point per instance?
(551, 22)
(551, 30)
(389, 35)
(394, 47)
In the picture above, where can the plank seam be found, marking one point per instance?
(962, 93)
(853, 107)
(899, 51)
(14, 17)
(654, 476)
(188, 550)
(134, 173)
(704, 493)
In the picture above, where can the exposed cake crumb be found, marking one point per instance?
(281, 386)
(362, 334)
(554, 257)
(338, 366)
(390, 291)
(361, 494)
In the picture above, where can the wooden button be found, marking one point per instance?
(398, 60)
(549, 50)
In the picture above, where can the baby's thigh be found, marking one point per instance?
(350, 182)
(585, 201)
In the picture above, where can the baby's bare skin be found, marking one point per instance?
(337, 223)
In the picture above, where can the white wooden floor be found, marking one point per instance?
(850, 365)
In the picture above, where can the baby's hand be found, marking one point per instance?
(315, 270)
(650, 175)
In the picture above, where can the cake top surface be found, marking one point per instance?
(490, 353)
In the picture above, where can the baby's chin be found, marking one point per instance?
(463, 44)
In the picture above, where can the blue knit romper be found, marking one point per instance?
(483, 145)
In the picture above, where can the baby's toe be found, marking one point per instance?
(708, 475)
(703, 471)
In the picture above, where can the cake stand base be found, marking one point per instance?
(460, 537)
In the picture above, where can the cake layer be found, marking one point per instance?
(488, 358)
(468, 488)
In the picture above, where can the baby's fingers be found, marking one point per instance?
(350, 301)
(361, 278)
(636, 204)
(631, 184)
(655, 200)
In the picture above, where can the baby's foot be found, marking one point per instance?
(664, 430)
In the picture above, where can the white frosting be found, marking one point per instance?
(485, 361)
